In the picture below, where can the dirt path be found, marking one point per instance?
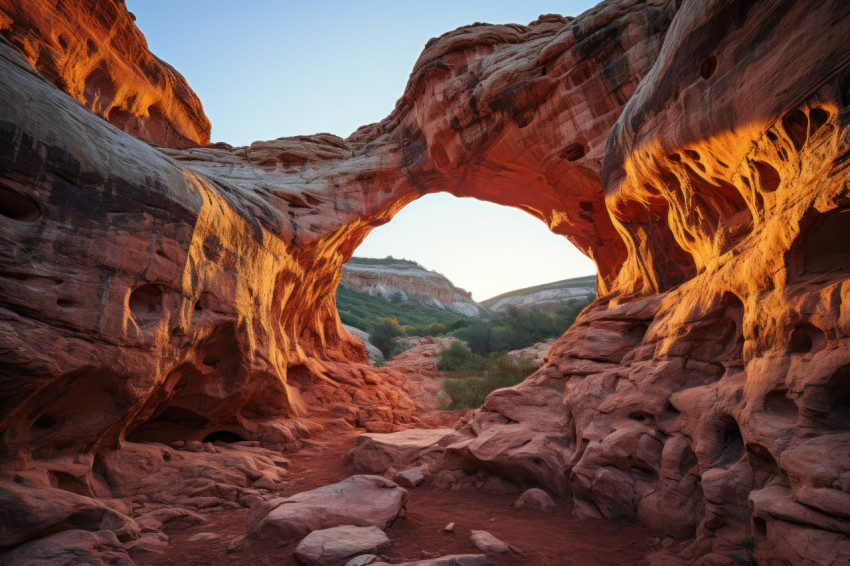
(545, 539)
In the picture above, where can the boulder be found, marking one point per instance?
(485, 542)
(69, 548)
(376, 453)
(359, 501)
(336, 546)
(536, 498)
(27, 512)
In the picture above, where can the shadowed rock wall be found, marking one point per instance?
(695, 150)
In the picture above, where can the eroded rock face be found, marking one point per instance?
(167, 295)
(405, 280)
(92, 50)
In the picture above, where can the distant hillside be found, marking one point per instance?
(401, 281)
(362, 310)
(548, 297)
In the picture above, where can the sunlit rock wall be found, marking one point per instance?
(92, 50)
(695, 150)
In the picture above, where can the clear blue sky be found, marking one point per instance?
(266, 69)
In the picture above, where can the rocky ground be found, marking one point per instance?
(535, 537)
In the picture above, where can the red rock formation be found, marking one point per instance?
(92, 50)
(151, 296)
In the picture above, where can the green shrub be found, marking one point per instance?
(383, 335)
(435, 329)
(498, 371)
(513, 329)
(457, 357)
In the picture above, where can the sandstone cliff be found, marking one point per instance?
(548, 297)
(696, 150)
(404, 279)
(92, 50)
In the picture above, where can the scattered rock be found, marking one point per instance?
(485, 542)
(265, 482)
(203, 537)
(536, 498)
(155, 543)
(362, 560)
(27, 512)
(451, 560)
(358, 500)
(69, 547)
(236, 544)
(376, 453)
(156, 519)
(409, 478)
(336, 546)
(449, 528)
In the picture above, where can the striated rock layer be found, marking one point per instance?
(695, 150)
(400, 279)
(92, 50)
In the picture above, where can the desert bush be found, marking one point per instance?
(435, 329)
(498, 371)
(383, 335)
(457, 357)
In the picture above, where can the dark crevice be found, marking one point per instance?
(708, 66)
(796, 125)
(223, 436)
(16, 206)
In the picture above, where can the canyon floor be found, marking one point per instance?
(539, 538)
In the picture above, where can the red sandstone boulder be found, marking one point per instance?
(359, 501)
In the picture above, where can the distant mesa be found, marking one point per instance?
(399, 280)
(548, 297)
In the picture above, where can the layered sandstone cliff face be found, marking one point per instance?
(695, 150)
(548, 297)
(401, 278)
(92, 50)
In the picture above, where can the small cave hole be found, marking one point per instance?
(796, 125)
(212, 248)
(573, 152)
(759, 528)
(778, 403)
(732, 443)
(45, 422)
(17, 206)
(687, 462)
(765, 469)
(638, 331)
(820, 250)
(67, 482)
(817, 118)
(145, 301)
(65, 303)
(772, 136)
(807, 337)
(166, 457)
(174, 414)
(675, 157)
(708, 66)
(223, 436)
(211, 361)
(692, 154)
(768, 176)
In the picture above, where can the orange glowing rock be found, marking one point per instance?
(696, 151)
(92, 50)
